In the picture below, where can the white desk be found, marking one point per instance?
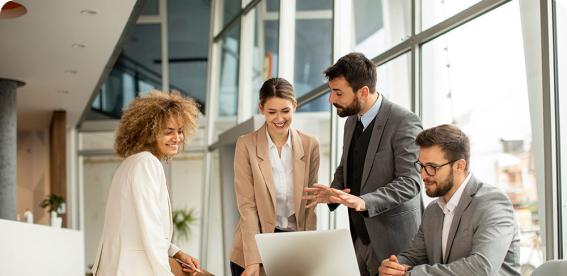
(32, 249)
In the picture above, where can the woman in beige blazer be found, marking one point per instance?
(271, 167)
(136, 239)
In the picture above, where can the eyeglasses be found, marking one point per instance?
(430, 170)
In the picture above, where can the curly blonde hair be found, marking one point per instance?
(144, 118)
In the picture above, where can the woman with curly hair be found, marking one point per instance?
(272, 165)
(136, 239)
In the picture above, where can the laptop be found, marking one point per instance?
(308, 253)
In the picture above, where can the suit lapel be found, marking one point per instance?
(437, 235)
(377, 131)
(298, 170)
(350, 125)
(264, 161)
(464, 202)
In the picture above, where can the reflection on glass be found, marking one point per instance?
(379, 25)
(151, 8)
(188, 47)
(214, 261)
(265, 65)
(186, 190)
(135, 71)
(230, 8)
(313, 5)
(228, 87)
(394, 80)
(318, 123)
(312, 53)
(272, 5)
(561, 35)
(475, 78)
(435, 11)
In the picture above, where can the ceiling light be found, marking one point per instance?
(71, 72)
(88, 12)
(79, 46)
(10, 10)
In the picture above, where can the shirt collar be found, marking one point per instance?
(454, 201)
(271, 143)
(367, 118)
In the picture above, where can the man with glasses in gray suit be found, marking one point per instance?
(375, 178)
(470, 229)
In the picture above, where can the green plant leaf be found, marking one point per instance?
(183, 219)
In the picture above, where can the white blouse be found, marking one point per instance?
(282, 169)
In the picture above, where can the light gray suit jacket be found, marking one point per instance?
(483, 239)
(390, 185)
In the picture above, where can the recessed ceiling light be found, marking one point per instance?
(79, 46)
(63, 92)
(72, 72)
(88, 12)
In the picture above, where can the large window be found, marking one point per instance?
(475, 78)
(379, 25)
(561, 34)
(435, 11)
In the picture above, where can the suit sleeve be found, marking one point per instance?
(406, 184)
(490, 242)
(416, 253)
(245, 199)
(146, 180)
(311, 221)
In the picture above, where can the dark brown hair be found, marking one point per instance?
(276, 87)
(144, 121)
(356, 69)
(451, 139)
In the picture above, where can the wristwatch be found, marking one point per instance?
(408, 271)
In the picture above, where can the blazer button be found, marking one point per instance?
(379, 127)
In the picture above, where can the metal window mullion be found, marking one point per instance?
(415, 73)
(457, 20)
(164, 45)
(286, 40)
(549, 133)
(561, 207)
(210, 111)
(245, 68)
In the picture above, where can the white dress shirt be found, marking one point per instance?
(369, 115)
(449, 211)
(282, 169)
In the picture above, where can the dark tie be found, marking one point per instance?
(359, 129)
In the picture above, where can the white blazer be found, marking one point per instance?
(136, 239)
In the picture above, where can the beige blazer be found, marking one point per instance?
(136, 239)
(256, 192)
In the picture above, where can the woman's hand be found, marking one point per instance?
(251, 270)
(191, 261)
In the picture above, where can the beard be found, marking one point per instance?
(353, 108)
(442, 187)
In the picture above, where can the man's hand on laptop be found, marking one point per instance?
(391, 267)
(320, 194)
(350, 201)
(251, 270)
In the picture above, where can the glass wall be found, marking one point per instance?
(480, 70)
(313, 40)
(475, 78)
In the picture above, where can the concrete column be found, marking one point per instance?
(8, 131)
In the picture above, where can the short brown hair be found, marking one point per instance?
(276, 87)
(144, 119)
(451, 139)
(356, 69)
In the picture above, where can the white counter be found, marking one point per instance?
(31, 249)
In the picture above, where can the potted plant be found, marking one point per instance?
(54, 202)
(183, 219)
